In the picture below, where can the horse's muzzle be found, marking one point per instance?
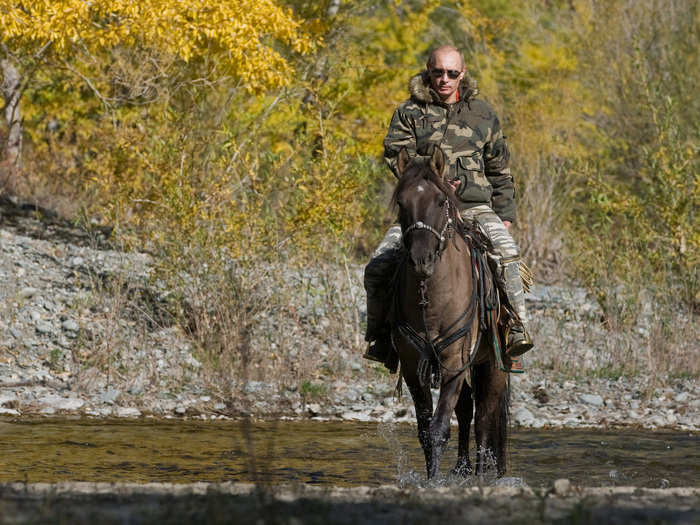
(424, 266)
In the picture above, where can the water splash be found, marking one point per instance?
(404, 473)
(408, 477)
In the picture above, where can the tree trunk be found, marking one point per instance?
(11, 88)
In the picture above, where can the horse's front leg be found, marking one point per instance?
(423, 402)
(491, 418)
(464, 411)
(450, 390)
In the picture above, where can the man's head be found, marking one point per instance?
(446, 70)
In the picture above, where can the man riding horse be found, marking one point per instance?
(443, 112)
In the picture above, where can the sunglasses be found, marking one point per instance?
(451, 73)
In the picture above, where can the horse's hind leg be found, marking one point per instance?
(464, 411)
(423, 402)
(491, 421)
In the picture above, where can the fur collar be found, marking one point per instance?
(420, 90)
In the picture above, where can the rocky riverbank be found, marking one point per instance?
(80, 334)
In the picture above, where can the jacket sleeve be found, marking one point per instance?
(401, 134)
(496, 158)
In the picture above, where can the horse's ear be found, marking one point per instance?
(402, 161)
(437, 162)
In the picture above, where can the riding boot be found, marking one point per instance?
(518, 339)
(377, 335)
(378, 285)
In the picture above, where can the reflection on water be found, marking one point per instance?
(325, 453)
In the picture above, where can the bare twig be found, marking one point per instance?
(103, 99)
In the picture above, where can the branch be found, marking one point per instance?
(103, 99)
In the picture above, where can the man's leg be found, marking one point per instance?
(378, 274)
(507, 250)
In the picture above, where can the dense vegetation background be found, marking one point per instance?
(252, 130)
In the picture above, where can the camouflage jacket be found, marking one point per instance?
(468, 132)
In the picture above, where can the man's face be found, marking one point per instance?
(446, 64)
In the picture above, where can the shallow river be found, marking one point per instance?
(324, 453)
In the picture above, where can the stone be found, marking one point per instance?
(356, 416)
(591, 399)
(69, 325)
(524, 417)
(43, 327)
(313, 409)
(562, 487)
(76, 261)
(109, 396)
(657, 420)
(28, 292)
(61, 403)
(127, 412)
(681, 397)
(5, 398)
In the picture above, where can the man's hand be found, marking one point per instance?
(507, 224)
(455, 184)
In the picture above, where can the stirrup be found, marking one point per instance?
(519, 341)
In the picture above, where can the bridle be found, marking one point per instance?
(441, 235)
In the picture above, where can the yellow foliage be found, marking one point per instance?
(239, 32)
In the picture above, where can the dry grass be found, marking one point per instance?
(543, 200)
(278, 322)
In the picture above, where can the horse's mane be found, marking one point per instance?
(419, 168)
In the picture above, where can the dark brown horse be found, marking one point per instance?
(436, 324)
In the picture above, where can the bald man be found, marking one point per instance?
(442, 111)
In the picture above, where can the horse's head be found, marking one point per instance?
(427, 209)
